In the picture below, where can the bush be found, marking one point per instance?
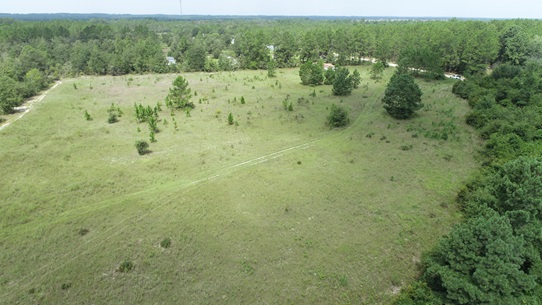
(112, 118)
(338, 117)
(165, 243)
(87, 116)
(125, 266)
(142, 147)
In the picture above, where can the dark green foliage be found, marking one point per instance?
(356, 79)
(290, 107)
(125, 267)
(230, 119)
(423, 61)
(179, 95)
(329, 76)
(10, 96)
(505, 109)
(112, 118)
(338, 117)
(402, 97)
(481, 261)
(114, 113)
(153, 124)
(514, 46)
(343, 84)
(242, 100)
(144, 114)
(417, 293)
(142, 147)
(312, 73)
(516, 192)
(87, 116)
(165, 243)
(196, 57)
(377, 70)
(518, 186)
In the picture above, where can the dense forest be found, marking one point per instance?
(494, 256)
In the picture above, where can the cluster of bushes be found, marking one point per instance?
(494, 256)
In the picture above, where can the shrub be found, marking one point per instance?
(87, 116)
(338, 117)
(112, 118)
(142, 147)
(165, 243)
(125, 266)
(83, 231)
(230, 119)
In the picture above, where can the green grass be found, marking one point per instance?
(276, 209)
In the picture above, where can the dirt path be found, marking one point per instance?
(392, 64)
(27, 106)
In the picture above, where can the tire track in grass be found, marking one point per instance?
(120, 226)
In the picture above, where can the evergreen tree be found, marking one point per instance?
(230, 119)
(356, 79)
(481, 262)
(403, 96)
(342, 85)
(312, 73)
(179, 95)
(377, 70)
(329, 76)
(338, 117)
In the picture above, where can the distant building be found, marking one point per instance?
(329, 66)
(171, 61)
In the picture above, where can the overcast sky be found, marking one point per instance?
(406, 8)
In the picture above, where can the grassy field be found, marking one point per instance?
(276, 209)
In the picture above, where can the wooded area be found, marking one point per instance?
(35, 53)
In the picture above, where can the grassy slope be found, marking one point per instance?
(248, 224)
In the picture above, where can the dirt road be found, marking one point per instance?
(27, 106)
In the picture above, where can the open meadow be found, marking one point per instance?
(274, 209)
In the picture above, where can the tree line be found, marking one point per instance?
(35, 53)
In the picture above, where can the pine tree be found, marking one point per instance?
(403, 96)
(342, 85)
(179, 95)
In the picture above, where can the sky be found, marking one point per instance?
(400, 8)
